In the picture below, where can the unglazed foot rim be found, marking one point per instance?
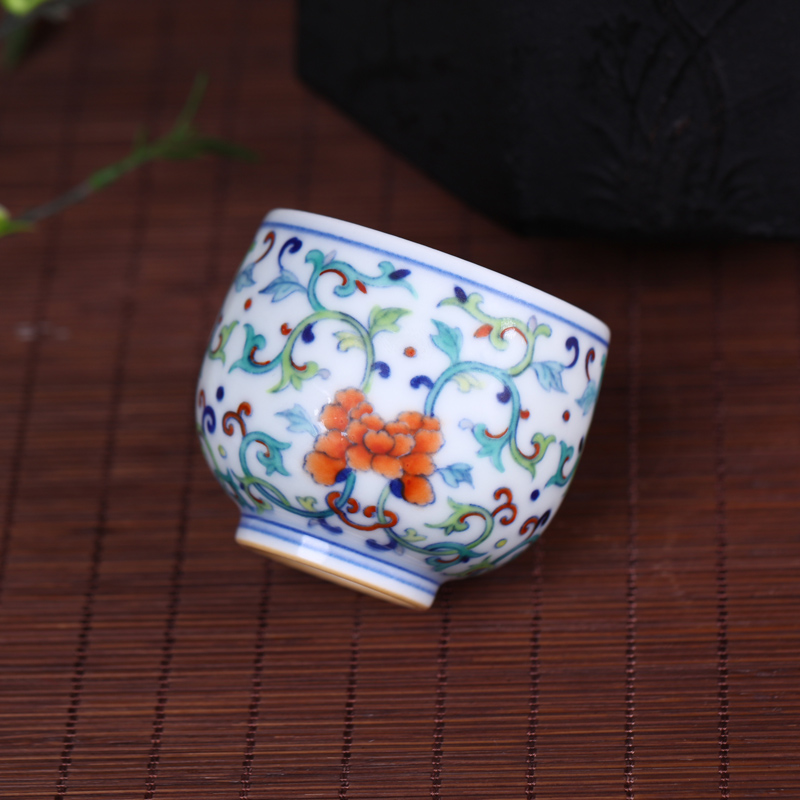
(336, 562)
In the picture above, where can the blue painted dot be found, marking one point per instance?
(535, 494)
(220, 393)
(461, 294)
(342, 475)
(421, 380)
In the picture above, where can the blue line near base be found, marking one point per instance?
(390, 254)
(268, 527)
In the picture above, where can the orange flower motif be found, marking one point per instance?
(359, 439)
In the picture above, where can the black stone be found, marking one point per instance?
(664, 119)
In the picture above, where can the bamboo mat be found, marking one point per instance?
(648, 646)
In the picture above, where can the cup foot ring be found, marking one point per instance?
(337, 563)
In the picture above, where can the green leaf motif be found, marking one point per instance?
(308, 503)
(299, 420)
(549, 375)
(253, 343)
(349, 340)
(296, 375)
(559, 478)
(9, 225)
(457, 521)
(385, 319)
(456, 474)
(448, 340)
(491, 446)
(493, 327)
(411, 536)
(245, 277)
(21, 6)
(285, 284)
(540, 444)
(269, 456)
(587, 400)
(225, 333)
(352, 279)
(466, 381)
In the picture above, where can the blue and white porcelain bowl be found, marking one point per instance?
(387, 416)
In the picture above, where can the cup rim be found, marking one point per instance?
(396, 247)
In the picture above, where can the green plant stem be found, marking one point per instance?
(182, 142)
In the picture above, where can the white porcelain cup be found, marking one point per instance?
(387, 416)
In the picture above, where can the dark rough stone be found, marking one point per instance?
(663, 119)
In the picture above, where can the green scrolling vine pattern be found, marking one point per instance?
(351, 438)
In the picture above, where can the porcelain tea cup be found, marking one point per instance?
(387, 416)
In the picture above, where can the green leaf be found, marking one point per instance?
(495, 328)
(457, 521)
(270, 457)
(456, 473)
(348, 340)
(491, 446)
(353, 280)
(253, 343)
(9, 225)
(385, 319)
(299, 420)
(466, 381)
(308, 503)
(448, 340)
(225, 333)
(549, 375)
(21, 7)
(540, 443)
(286, 283)
(409, 537)
(587, 400)
(559, 478)
(294, 375)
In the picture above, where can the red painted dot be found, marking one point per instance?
(410, 352)
(248, 303)
(565, 416)
(285, 329)
(525, 413)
